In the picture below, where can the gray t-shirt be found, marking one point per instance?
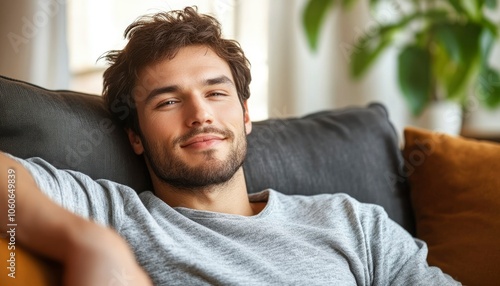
(296, 240)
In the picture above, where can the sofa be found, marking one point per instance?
(441, 189)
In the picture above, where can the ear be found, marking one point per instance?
(246, 118)
(135, 141)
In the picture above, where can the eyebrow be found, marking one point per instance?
(173, 88)
(219, 80)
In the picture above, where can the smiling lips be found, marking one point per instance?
(202, 141)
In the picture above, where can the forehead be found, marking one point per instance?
(190, 65)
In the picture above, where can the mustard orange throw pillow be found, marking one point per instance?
(455, 191)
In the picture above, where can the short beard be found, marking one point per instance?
(173, 171)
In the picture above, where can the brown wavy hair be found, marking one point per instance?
(152, 38)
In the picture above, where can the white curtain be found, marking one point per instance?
(33, 46)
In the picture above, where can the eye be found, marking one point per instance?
(216, 93)
(167, 103)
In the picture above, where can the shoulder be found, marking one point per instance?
(339, 206)
(70, 188)
(337, 201)
(47, 173)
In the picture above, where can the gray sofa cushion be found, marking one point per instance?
(352, 150)
(68, 129)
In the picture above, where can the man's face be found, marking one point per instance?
(193, 127)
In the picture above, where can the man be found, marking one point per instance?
(180, 91)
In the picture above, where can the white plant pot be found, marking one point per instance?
(481, 122)
(443, 117)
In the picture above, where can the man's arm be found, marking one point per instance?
(398, 259)
(91, 254)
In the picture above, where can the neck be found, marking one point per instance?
(230, 197)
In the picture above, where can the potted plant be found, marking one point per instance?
(446, 54)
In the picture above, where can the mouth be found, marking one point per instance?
(202, 141)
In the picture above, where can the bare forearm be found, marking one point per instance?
(37, 222)
(41, 225)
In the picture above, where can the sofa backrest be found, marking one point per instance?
(352, 150)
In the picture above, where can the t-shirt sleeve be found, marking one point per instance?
(397, 257)
(101, 201)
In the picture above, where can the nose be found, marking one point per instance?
(198, 112)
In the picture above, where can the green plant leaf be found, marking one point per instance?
(369, 47)
(471, 8)
(490, 4)
(486, 42)
(414, 77)
(456, 4)
(313, 18)
(462, 45)
(365, 55)
(488, 87)
(487, 24)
